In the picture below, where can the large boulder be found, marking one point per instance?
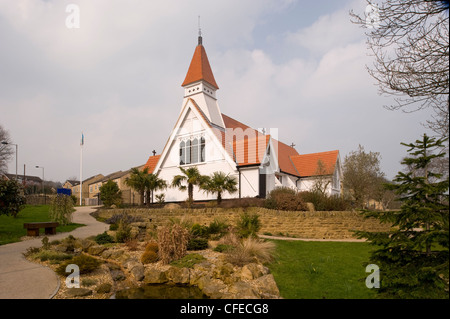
(178, 275)
(266, 287)
(241, 290)
(155, 276)
(214, 288)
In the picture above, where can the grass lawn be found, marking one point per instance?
(318, 270)
(11, 229)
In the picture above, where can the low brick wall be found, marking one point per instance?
(313, 225)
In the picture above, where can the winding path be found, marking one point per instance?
(22, 279)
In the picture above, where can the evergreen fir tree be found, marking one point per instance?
(413, 256)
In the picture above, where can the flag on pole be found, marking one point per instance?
(82, 139)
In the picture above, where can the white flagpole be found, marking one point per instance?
(81, 168)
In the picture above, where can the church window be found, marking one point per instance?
(188, 152)
(192, 151)
(182, 153)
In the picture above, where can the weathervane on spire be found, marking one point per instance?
(199, 32)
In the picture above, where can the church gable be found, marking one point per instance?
(193, 140)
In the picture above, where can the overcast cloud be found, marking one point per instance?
(299, 66)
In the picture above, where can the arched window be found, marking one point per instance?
(188, 152)
(194, 151)
(182, 153)
(202, 149)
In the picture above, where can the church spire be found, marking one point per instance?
(200, 69)
(200, 40)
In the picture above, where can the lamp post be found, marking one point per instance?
(43, 179)
(17, 151)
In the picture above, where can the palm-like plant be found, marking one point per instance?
(192, 177)
(154, 183)
(218, 183)
(138, 181)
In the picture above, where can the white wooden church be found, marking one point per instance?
(206, 138)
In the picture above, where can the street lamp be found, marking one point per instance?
(17, 146)
(43, 179)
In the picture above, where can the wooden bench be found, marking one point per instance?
(33, 228)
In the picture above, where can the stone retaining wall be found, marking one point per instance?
(313, 225)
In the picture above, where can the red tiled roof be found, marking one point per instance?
(151, 163)
(307, 164)
(254, 155)
(199, 69)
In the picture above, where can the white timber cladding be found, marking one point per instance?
(190, 126)
(205, 97)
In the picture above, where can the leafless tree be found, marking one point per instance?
(362, 174)
(322, 178)
(6, 150)
(410, 42)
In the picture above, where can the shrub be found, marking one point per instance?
(123, 232)
(285, 198)
(116, 218)
(160, 198)
(248, 225)
(61, 209)
(188, 261)
(197, 244)
(45, 243)
(218, 228)
(152, 246)
(104, 238)
(198, 230)
(323, 202)
(110, 194)
(52, 256)
(149, 256)
(172, 242)
(69, 242)
(86, 264)
(12, 200)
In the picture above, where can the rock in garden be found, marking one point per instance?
(104, 288)
(266, 286)
(138, 272)
(178, 275)
(242, 290)
(78, 292)
(96, 250)
(214, 288)
(117, 275)
(155, 276)
(252, 271)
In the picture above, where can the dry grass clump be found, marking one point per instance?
(247, 250)
(173, 241)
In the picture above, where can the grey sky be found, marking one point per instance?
(299, 66)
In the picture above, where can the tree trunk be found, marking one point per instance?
(141, 200)
(147, 197)
(191, 194)
(219, 198)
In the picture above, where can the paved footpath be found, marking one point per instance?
(21, 279)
